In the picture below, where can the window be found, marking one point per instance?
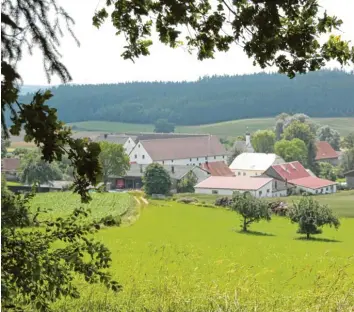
(244, 173)
(190, 159)
(326, 188)
(260, 193)
(206, 158)
(268, 190)
(276, 184)
(139, 145)
(135, 156)
(163, 162)
(214, 192)
(214, 157)
(197, 158)
(143, 156)
(331, 187)
(200, 164)
(256, 173)
(223, 157)
(172, 160)
(239, 173)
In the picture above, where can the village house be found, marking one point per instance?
(128, 142)
(349, 176)
(192, 151)
(217, 168)
(258, 187)
(10, 167)
(294, 176)
(326, 153)
(133, 177)
(253, 164)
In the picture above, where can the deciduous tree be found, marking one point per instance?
(187, 183)
(327, 171)
(347, 160)
(280, 33)
(163, 126)
(36, 170)
(326, 133)
(294, 150)
(250, 208)
(348, 141)
(263, 141)
(156, 180)
(311, 216)
(113, 159)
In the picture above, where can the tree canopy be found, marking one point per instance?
(208, 100)
(293, 150)
(311, 216)
(326, 133)
(156, 180)
(280, 33)
(163, 126)
(113, 159)
(263, 141)
(348, 141)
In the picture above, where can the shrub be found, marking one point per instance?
(223, 202)
(187, 200)
(111, 220)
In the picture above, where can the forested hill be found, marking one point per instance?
(209, 100)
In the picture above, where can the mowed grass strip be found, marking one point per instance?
(62, 204)
(342, 202)
(179, 257)
(228, 128)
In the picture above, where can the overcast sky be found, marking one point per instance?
(98, 59)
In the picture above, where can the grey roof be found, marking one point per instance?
(177, 172)
(112, 138)
(143, 136)
(243, 147)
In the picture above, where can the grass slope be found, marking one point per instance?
(229, 128)
(342, 203)
(62, 204)
(180, 257)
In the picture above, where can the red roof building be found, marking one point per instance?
(325, 151)
(313, 183)
(217, 168)
(10, 164)
(290, 171)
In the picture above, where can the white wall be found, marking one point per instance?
(247, 173)
(140, 155)
(129, 145)
(282, 193)
(265, 189)
(323, 190)
(195, 161)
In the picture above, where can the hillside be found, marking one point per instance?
(208, 100)
(229, 128)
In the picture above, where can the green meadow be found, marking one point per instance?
(179, 257)
(228, 128)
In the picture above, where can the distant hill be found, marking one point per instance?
(31, 89)
(208, 100)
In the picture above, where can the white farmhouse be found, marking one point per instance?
(193, 151)
(126, 140)
(258, 187)
(254, 164)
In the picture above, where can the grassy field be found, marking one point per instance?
(61, 204)
(229, 128)
(186, 258)
(342, 203)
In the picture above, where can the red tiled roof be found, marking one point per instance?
(184, 148)
(218, 168)
(291, 170)
(10, 164)
(312, 182)
(325, 151)
(234, 183)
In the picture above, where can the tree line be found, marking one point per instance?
(208, 100)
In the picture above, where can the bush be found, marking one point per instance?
(187, 200)
(224, 202)
(111, 220)
(279, 208)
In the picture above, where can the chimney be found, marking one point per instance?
(141, 168)
(173, 169)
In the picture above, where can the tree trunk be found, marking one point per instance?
(244, 225)
(307, 235)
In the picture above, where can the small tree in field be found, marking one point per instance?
(250, 208)
(156, 180)
(311, 216)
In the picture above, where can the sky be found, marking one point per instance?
(98, 59)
